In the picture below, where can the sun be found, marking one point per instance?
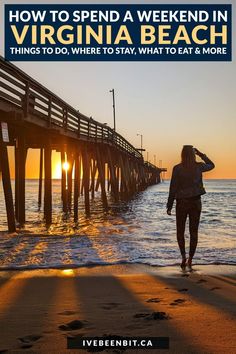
(66, 166)
(57, 168)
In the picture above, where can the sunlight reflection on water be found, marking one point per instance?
(138, 231)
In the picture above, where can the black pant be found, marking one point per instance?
(188, 207)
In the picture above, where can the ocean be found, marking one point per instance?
(137, 231)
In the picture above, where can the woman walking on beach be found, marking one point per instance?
(186, 187)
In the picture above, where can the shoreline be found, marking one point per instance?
(218, 268)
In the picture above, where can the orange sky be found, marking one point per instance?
(224, 169)
(170, 103)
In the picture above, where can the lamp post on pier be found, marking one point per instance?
(160, 166)
(141, 147)
(114, 108)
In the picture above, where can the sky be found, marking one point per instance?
(170, 103)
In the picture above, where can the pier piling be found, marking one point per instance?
(6, 180)
(76, 185)
(101, 171)
(22, 153)
(86, 175)
(40, 178)
(48, 182)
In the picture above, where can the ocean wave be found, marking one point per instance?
(137, 231)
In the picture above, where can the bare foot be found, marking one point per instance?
(189, 263)
(183, 264)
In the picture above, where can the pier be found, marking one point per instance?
(33, 117)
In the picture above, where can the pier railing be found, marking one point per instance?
(34, 99)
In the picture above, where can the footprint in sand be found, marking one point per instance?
(177, 302)
(154, 299)
(201, 281)
(183, 290)
(141, 315)
(110, 305)
(153, 316)
(159, 316)
(28, 341)
(215, 288)
(26, 346)
(72, 326)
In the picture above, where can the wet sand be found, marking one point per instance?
(37, 307)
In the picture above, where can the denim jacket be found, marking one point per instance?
(187, 183)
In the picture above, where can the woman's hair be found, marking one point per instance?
(188, 157)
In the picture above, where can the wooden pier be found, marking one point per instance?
(32, 117)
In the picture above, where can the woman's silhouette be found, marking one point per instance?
(186, 187)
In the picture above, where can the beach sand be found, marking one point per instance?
(119, 300)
